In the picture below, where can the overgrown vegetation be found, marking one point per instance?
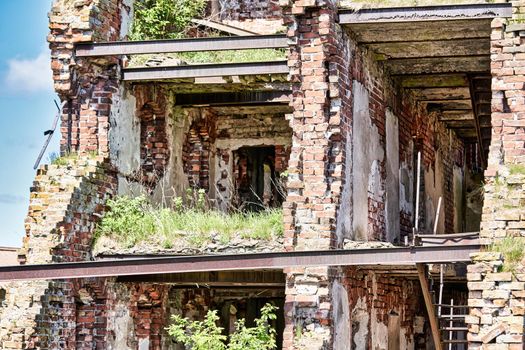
(513, 250)
(251, 55)
(206, 335)
(132, 220)
(171, 19)
(164, 19)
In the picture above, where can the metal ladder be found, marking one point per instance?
(451, 320)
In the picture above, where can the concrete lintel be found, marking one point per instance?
(426, 13)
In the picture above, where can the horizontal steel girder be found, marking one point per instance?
(115, 48)
(205, 70)
(280, 260)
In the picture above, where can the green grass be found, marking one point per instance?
(227, 56)
(133, 220)
(517, 169)
(513, 250)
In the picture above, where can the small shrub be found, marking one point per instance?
(163, 19)
(206, 335)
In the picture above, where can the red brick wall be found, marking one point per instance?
(321, 107)
(86, 88)
(196, 150)
(384, 294)
(154, 147)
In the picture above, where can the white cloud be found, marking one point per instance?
(30, 75)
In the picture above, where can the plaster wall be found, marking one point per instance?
(392, 205)
(458, 192)
(124, 138)
(341, 310)
(433, 178)
(368, 155)
(345, 214)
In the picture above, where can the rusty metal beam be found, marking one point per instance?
(233, 98)
(177, 264)
(425, 13)
(116, 48)
(204, 70)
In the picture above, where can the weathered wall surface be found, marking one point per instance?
(368, 157)
(384, 312)
(257, 16)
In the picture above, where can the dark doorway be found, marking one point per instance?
(258, 184)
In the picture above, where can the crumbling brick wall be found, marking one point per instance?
(154, 145)
(496, 298)
(66, 202)
(352, 107)
(85, 87)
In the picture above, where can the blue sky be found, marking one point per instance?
(26, 107)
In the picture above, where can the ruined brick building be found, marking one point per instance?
(388, 124)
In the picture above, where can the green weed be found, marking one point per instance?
(132, 220)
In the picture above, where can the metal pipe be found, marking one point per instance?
(49, 134)
(451, 324)
(418, 189)
(437, 215)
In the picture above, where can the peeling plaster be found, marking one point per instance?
(120, 322)
(345, 213)
(392, 177)
(406, 188)
(126, 17)
(368, 154)
(434, 188)
(124, 133)
(458, 198)
(341, 310)
(360, 318)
